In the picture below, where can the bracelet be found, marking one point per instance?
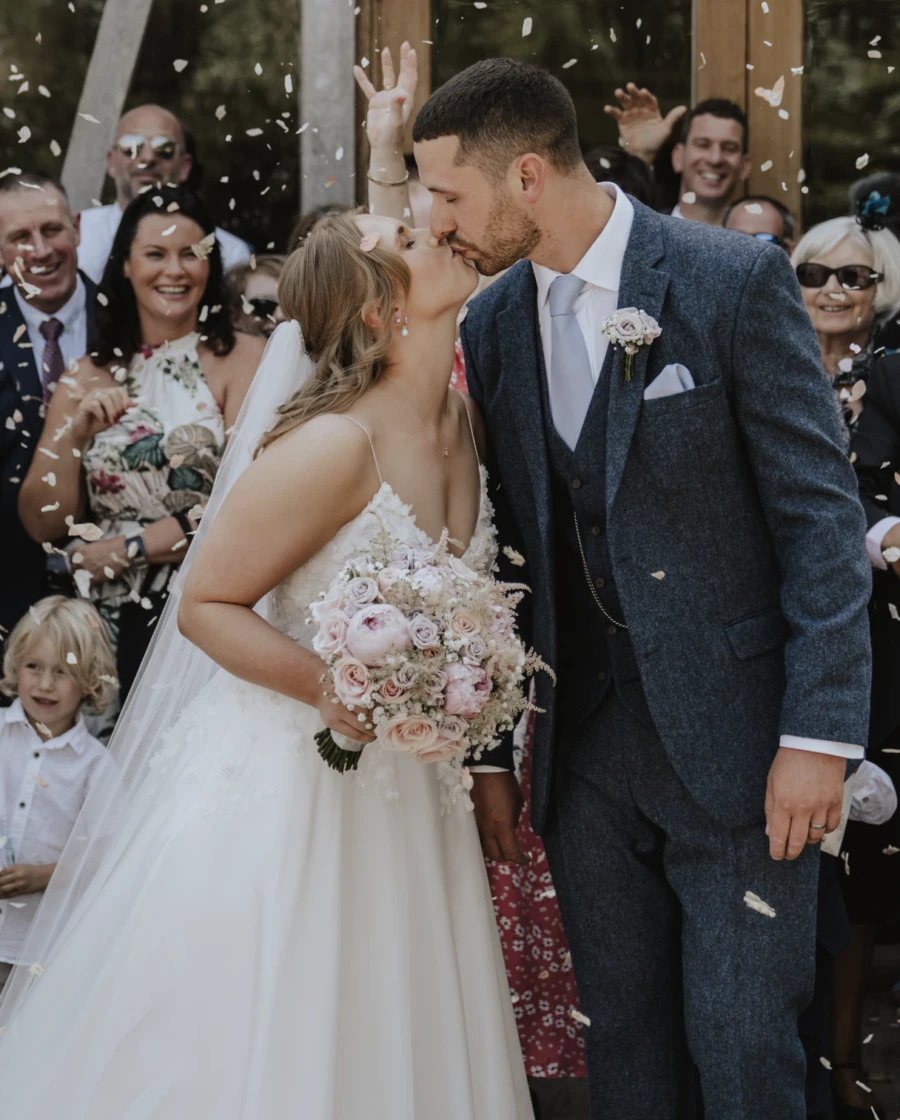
(185, 522)
(385, 183)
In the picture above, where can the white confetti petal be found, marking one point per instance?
(579, 1017)
(220, 112)
(568, 65)
(689, 197)
(862, 162)
(895, 614)
(37, 970)
(55, 148)
(71, 659)
(180, 64)
(658, 575)
(24, 134)
(767, 166)
(526, 26)
(756, 903)
(890, 850)
(892, 555)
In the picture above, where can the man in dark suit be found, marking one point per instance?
(695, 548)
(45, 319)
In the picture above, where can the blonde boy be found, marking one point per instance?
(57, 660)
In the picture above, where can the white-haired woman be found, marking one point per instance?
(849, 270)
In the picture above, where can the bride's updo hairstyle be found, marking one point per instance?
(326, 285)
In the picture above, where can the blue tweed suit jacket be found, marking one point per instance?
(739, 490)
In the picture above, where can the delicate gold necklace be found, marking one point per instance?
(436, 432)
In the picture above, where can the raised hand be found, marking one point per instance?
(642, 128)
(804, 797)
(389, 108)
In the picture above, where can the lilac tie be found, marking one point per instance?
(53, 364)
(571, 382)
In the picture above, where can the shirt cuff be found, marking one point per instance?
(488, 770)
(875, 536)
(823, 746)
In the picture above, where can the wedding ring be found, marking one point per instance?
(817, 827)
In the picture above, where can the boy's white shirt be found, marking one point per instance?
(43, 785)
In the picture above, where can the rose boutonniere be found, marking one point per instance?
(631, 329)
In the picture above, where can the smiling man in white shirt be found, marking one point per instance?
(149, 149)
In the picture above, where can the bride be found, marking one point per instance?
(236, 931)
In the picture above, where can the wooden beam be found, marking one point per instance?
(720, 50)
(327, 102)
(774, 47)
(103, 96)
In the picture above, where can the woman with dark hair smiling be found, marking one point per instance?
(135, 433)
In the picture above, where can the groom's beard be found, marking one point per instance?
(509, 237)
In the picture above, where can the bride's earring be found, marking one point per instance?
(404, 319)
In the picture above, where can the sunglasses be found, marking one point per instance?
(132, 144)
(851, 277)
(263, 308)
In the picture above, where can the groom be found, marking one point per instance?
(695, 550)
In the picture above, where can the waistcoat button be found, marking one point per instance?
(596, 530)
(601, 676)
(576, 483)
(612, 630)
(600, 583)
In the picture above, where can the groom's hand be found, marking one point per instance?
(804, 789)
(498, 804)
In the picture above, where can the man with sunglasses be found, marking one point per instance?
(149, 149)
(764, 218)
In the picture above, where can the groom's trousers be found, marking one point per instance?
(673, 968)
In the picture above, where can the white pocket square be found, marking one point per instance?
(673, 379)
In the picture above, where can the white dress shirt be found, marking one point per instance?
(72, 315)
(98, 229)
(43, 786)
(601, 269)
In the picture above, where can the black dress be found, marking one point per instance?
(872, 887)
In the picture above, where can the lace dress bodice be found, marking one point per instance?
(287, 607)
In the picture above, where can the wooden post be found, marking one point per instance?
(774, 48)
(720, 50)
(327, 102)
(102, 97)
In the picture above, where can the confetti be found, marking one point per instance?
(767, 166)
(24, 134)
(526, 26)
(196, 512)
(89, 118)
(890, 850)
(220, 112)
(55, 148)
(773, 95)
(480, 4)
(892, 555)
(339, 154)
(753, 208)
(37, 969)
(874, 54)
(895, 614)
(204, 247)
(169, 230)
(689, 197)
(86, 530)
(180, 64)
(71, 659)
(254, 132)
(862, 162)
(568, 65)
(868, 1039)
(289, 81)
(43, 91)
(44, 729)
(658, 575)
(579, 1017)
(756, 903)
(825, 1062)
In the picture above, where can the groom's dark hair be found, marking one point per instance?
(500, 109)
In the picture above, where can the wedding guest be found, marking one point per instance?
(45, 317)
(886, 188)
(253, 294)
(149, 150)
(849, 271)
(140, 428)
(609, 164)
(308, 221)
(764, 218)
(710, 158)
(57, 661)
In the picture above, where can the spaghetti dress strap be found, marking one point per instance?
(371, 444)
(471, 431)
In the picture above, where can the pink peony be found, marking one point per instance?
(468, 690)
(428, 580)
(332, 635)
(408, 734)
(351, 681)
(424, 631)
(376, 631)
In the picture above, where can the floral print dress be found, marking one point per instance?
(161, 458)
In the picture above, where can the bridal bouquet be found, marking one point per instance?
(424, 649)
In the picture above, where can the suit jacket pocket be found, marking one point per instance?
(678, 402)
(752, 637)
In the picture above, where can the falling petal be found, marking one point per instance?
(756, 903)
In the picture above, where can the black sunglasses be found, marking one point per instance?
(132, 144)
(263, 308)
(852, 277)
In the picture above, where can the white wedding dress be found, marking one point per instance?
(278, 941)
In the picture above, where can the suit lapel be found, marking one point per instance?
(519, 389)
(644, 287)
(24, 376)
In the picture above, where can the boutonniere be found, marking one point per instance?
(631, 329)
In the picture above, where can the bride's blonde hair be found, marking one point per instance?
(326, 285)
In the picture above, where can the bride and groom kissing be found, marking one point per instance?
(253, 936)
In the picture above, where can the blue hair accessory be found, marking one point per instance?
(871, 213)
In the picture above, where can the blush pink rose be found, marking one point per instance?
(351, 681)
(361, 591)
(375, 631)
(332, 635)
(388, 576)
(392, 692)
(468, 690)
(408, 734)
(463, 623)
(453, 728)
(424, 631)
